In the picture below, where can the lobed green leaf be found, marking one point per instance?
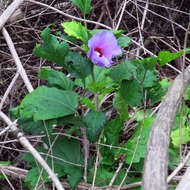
(56, 79)
(75, 29)
(81, 67)
(120, 105)
(63, 160)
(166, 56)
(124, 41)
(123, 71)
(130, 92)
(94, 124)
(117, 33)
(48, 103)
(131, 143)
(83, 5)
(51, 49)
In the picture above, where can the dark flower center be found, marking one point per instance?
(99, 51)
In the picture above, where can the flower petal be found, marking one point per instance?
(95, 40)
(100, 61)
(107, 43)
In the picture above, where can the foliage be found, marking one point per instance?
(187, 93)
(131, 144)
(51, 49)
(123, 71)
(82, 95)
(94, 123)
(80, 67)
(184, 131)
(65, 162)
(121, 106)
(7, 163)
(48, 103)
(124, 41)
(75, 29)
(84, 5)
(130, 92)
(166, 56)
(117, 33)
(56, 79)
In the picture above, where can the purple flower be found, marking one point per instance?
(103, 47)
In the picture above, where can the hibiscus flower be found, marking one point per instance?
(103, 47)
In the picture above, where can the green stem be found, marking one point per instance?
(96, 94)
(85, 24)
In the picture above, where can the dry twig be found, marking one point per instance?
(9, 11)
(185, 182)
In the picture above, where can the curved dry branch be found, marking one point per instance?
(16, 58)
(179, 167)
(9, 11)
(156, 162)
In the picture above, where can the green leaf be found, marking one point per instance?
(48, 103)
(117, 33)
(74, 175)
(123, 71)
(38, 127)
(33, 177)
(51, 49)
(130, 92)
(187, 93)
(83, 5)
(7, 163)
(102, 83)
(148, 78)
(174, 156)
(56, 79)
(66, 152)
(74, 131)
(165, 83)
(69, 38)
(112, 131)
(124, 41)
(88, 103)
(131, 143)
(81, 67)
(103, 86)
(75, 29)
(94, 124)
(70, 120)
(175, 136)
(139, 115)
(177, 121)
(121, 106)
(104, 176)
(155, 93)
(148, 62)
(69, 150)
(166, 56)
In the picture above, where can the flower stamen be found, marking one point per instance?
(98, 51)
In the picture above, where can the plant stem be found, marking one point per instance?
(96, 94)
